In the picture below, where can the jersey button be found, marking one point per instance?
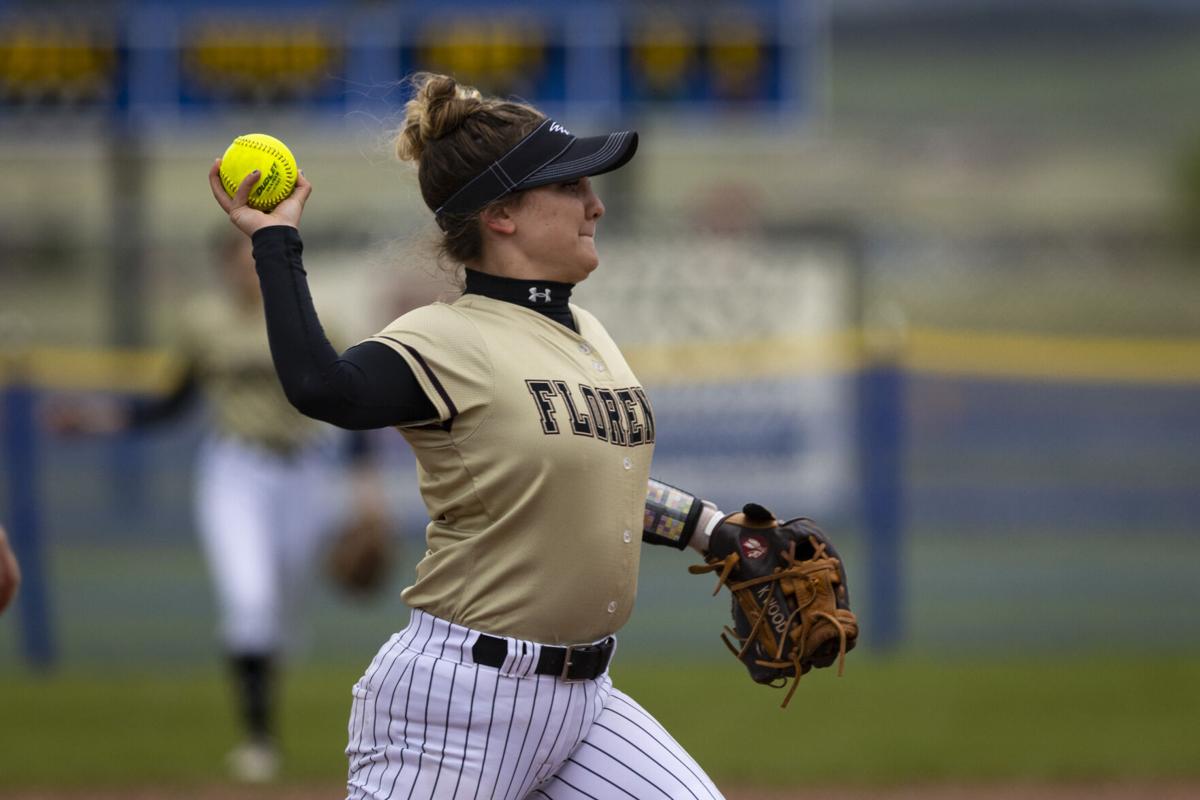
(598, 365)
(627, 536)
(583, 348)
(628, 463)
(612, 607)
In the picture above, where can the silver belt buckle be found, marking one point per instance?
(567, 666)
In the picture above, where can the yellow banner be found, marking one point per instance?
(72, 369)
(925, 350)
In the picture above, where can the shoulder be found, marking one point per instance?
(435, 318)
(438, 330)
(445, 351)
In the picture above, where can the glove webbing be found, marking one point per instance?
(797, 571)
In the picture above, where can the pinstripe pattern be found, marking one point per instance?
(427, 722)
(626, 753)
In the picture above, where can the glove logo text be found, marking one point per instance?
(771, 607)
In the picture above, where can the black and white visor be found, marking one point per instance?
(551, 154)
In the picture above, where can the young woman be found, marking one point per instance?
(533, 439)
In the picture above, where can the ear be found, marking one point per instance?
(497, 219)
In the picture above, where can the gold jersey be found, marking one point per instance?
(227, 347)
(534, 472)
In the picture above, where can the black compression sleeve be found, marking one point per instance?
(368, 386)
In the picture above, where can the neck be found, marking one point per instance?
(550, 298)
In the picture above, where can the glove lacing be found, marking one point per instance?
(819, 562)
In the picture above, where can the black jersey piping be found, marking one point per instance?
(437, 384)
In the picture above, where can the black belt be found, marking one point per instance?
(579, 662)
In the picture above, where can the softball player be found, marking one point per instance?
(261, 500)
(533, 439)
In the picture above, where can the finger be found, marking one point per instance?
(303, 189)
(243, 218)
(218, 188)
(242, 196)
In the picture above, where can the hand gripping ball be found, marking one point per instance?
(268, 155)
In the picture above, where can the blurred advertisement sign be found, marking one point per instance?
(593, 57)
(51, 61)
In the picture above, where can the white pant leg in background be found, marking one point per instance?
(427, 722)
(308, 505)
(259, 518)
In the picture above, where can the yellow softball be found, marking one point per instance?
(268, 155)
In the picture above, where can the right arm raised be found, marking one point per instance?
(368, 386)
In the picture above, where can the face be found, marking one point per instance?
(556, 229)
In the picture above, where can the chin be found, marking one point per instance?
(591, 256)
(582, 271)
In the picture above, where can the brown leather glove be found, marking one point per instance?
(361, 556)
(790, 601)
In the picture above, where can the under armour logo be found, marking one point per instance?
(556, 128)
(539, 296)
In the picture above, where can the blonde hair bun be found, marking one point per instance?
(453, 133)
(439, 106)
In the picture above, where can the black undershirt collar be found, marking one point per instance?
(549, 298)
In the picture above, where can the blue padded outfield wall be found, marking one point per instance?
(1025, 512)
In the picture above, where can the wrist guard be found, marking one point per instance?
(671, 515)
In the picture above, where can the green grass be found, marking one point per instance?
(885, 722)
(918, 721)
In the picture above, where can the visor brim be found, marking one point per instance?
(587, 156)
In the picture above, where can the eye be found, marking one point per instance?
(572, 186)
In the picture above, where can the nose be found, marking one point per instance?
(592, 203)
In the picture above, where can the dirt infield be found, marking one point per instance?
(1022, 791)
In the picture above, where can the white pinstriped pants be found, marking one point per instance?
(427, 722)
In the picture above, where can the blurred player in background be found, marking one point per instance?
(10, 572)
(263, 500)
(534, 442)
